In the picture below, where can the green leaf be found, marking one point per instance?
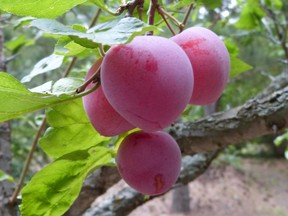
(251, 15)
(53, 190)
(19, 100)
(41, 9)
(46, 64)
(180, 4)
(23, 21)
(66, 85)
(211, 4)
(274, 4)
(100, 4)
(4, 176)
(17, 43)
(70, 130)
(280, 139)
(120, 32)
(238, 66)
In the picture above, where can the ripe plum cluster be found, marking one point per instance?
(146, 84)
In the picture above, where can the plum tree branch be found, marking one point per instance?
(257, 117)
(127, 199)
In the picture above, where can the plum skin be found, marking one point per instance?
(150, 162)
(210, 61)
(148, 81)
(101, 114)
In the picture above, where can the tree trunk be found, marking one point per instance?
(6, 187)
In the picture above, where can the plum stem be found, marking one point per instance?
(94, 78)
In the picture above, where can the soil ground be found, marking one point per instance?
(255, 188)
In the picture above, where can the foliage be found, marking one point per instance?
(282, 139)
(77, 149)
(5, 176)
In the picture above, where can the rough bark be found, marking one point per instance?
(127, 199)
(257, 117)
(6, 187)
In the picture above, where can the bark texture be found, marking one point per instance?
(257, 117)
(6, 187)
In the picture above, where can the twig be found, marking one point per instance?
(192, 6)
(13, 198)
(279, 29)
(167, 23)
(180, 25)
(140, 10)
(130, 7)
(151, 13)
(70, 66)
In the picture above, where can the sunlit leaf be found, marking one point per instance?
(53, 190)
(4, 176)
(46, 64)
(280, 139)
(70, 130)
(43, 8)
(251, 15)
(121, 32)
(17, 43)
(238, 66)
(103, 6)
(19, 100)
(211, 4)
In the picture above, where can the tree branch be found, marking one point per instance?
(255, 118)
(127, 199)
